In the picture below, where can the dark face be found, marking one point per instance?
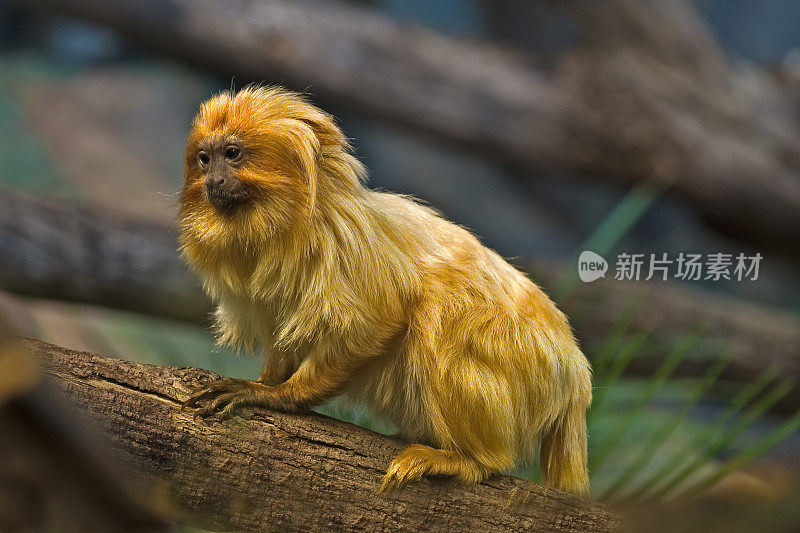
(219, 163)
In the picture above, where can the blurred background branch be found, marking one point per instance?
(646, 93)
(90, 256)
(75, 253)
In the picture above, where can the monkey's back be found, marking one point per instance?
(486, 360)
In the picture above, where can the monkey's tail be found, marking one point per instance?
(563, 452)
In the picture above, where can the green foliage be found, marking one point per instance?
(639, 450)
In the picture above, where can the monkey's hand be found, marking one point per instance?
(224, 396)
(320, 377)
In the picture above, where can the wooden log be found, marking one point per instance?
(649, 96)
(758, 337)
(55, 474)
(85, 255)
(81, 254)
(267, 470)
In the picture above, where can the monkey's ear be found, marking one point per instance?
(307, 150)
(297, 150)
(324, 127)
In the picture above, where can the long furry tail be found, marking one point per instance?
(563, 452)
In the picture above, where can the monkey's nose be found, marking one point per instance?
(214, 182)
(225, 191)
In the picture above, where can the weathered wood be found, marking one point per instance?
(648, 96)
(759, 337)
(274, 471)
(85, 255)
(55, 474)
(82, 254)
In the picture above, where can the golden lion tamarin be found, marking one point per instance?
(367, 294)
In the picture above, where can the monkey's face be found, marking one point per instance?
(219, 161)
(251, 166)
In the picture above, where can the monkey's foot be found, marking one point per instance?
(226, 395)
(419, 460)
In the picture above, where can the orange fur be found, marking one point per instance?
(351, 291)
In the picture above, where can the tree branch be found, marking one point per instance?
(269, 470)
(82, 254)
(87, 255)
(55, 473)
(672, 109)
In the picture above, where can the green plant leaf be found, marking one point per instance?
(614, 338)
(624, 356)
(714, 446)
(658, 438)
(744, 397)
(656, 381)
(769, 441)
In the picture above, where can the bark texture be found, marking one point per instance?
(86, 255)
(274, 471)
(760, 337)
(55, 473)
(644, 93)
(81, 254)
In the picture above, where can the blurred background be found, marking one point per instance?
(548, 128)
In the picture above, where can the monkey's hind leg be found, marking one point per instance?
(563, 452)
(420, 460)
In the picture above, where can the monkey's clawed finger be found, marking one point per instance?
(398, 475)
(203, 393)
(215, 404)
(220, 394)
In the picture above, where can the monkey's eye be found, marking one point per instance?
(232, 152)
(203, 157)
